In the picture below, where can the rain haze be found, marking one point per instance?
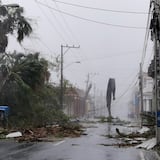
(111, 43)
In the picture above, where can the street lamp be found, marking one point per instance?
(71, 64)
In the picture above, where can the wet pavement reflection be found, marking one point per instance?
(87, 147)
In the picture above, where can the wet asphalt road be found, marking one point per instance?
(84, 148)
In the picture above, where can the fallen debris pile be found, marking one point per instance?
(146, 134)
(138, 137)
(50, 133)
(149, 144)
(133, 138)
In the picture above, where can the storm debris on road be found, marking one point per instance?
(14, 135)
(136, 138)
(146, 134)
(44, 134)
(149, 144)
(120, 145)
(131, 139)
(113, 121)
(50, 133)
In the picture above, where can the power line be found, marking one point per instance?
(26, 50)
(111, 56)
(69, 29)
(90, 20)
(146, 38)
(99, 9)
(132, 84)
(65, 22)
(58, 21)
(46, 46)
(67, 26)
(51, 23)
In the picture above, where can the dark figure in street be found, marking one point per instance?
(110, 92)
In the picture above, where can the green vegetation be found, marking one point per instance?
(12, 22)
(24, 77)
(26, 90)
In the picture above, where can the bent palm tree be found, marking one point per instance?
(12, 21)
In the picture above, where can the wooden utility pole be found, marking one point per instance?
(94, 100)
(88, 88)
(62, 80)
(141, 91)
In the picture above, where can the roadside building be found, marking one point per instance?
(147, 90)
(147, 93)
(134, 104)
(74, 103)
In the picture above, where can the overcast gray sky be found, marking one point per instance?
(105, 50)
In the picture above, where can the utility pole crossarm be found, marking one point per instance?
(68, 46)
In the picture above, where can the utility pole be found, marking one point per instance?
(141, 92)
(94, 100)
(62, 79)
(154, 69)
(156, 20)
(88, 88)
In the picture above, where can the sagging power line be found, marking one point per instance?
(50, 22)
(100, 9)
(91, 20)
(146, 37)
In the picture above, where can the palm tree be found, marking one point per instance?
(31, 69)
(12, 21)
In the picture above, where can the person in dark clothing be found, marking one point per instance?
(110, 93)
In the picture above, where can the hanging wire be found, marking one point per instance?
(99, 9)
(91, 20)
(146, 37)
